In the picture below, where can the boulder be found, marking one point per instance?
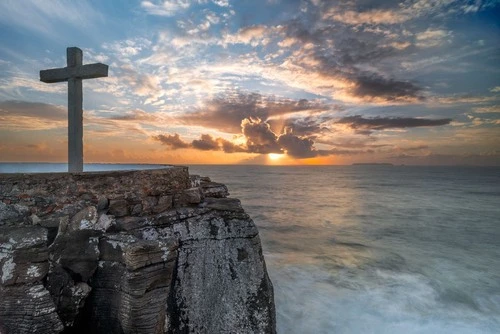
(77, 253)
(23, 254)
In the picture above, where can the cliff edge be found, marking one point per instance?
(149, 251)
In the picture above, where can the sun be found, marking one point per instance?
(275, 156)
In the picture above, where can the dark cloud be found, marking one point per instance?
(172, 141)
(260, 137)
(226, 113)
(297, 147)
(308, 126)
(230, 147)
(374, 86)
(205, 143)
(358, 122)
(345, 52)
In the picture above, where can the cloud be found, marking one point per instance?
(487, 110)
(431, 37)
(376, 87)
(401, 12)
(253, 35)
(376, 16)
(358, 122)
(297, 147)
(309, 126)
(165, 7)
(142, 84)
(221, 3)
(205, 143)
(226, 113)
(172, 141)
(22, 115)
(350, 64)
(260, 137)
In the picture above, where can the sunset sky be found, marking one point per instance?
(256, 81)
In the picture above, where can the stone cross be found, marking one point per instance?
(73, 74)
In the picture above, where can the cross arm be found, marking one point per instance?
(54, 75)
(89, 71)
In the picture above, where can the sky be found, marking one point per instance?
(256, 81)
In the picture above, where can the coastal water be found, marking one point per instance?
(373, 249)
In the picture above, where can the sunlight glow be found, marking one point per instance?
(275, 156)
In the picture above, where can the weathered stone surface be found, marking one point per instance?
(223, 204)
(68, 295)
(136, 253)
(102, 204)
(131, 285)
(151, 251)
(28, 308)
(164, 203)
(124, 301)
(221, 285)
(23, 255)
(77, 252)
(12, 213)
(129, 223)
(213, 189)
(189, 196)
(118, 207)
(86, 219)
(52, 195)
(105, 222)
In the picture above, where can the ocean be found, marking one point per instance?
(371, 249)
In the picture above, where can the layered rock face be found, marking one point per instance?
(153, 251)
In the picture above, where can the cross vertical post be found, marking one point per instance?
(73, 74)
(75, 113)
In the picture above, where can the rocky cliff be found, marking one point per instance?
(152, 251)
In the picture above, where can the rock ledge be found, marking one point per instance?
(151, 251)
